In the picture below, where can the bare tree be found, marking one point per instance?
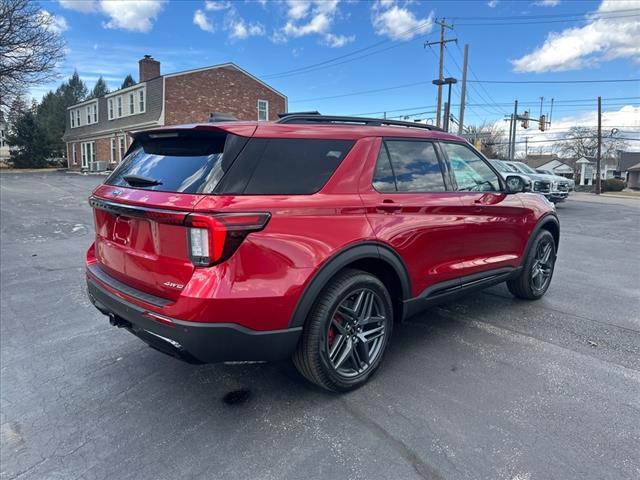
(30, 48)
(583, 142)
(492, 139)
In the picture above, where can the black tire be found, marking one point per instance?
(528, 284)
(313, 357)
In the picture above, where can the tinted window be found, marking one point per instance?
(186, 162)
(414, 166)
(470, 171)
(287, 166)
(383, 179)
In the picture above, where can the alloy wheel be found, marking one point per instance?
(356, 334)
(542, 267)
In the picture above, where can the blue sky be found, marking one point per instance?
(547, 40)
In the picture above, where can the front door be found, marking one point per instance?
(494, 233)
(411, 207)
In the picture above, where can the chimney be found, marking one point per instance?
(148, 68)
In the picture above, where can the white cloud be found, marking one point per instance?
(215, 6)
(600, 40)
(312, 17)
(337, 41)
(492, 3)
(239, 29)
(547, 3)
(201, 20)
(55, 23)
(134, 15)
(84, 6)
(398, 23)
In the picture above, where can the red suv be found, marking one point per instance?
(306, 238)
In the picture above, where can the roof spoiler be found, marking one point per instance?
(221, 117)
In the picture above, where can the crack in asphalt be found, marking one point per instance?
(422, 468)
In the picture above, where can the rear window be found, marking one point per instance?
(186, 162)
(284, 166)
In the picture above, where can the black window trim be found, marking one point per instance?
(444, 169)
(452, 177)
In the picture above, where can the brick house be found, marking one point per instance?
(97, 130)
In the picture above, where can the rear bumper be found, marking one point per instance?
(195, 342)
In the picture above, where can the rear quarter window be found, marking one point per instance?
(283, 166)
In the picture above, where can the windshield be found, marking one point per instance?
(523, 167)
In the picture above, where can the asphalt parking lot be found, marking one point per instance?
(487, 387)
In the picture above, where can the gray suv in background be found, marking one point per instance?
(555, 188)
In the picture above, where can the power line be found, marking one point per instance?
(554, 15)
(612, 80)
(524, 22)
(395, 87)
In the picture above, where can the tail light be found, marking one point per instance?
(214, 238)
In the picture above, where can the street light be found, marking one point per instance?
(447, 81)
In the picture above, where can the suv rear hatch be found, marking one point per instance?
(142, 211)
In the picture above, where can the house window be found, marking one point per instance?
(73, 120)
(263, 110)
(88, 115)
(131, 103)
(74, 155)
(141, 101)
(95, 113)
(119, 106)
(113, 150)
(110, 108)
(78, 117)
(122, 147)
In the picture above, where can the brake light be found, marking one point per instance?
(214, 238)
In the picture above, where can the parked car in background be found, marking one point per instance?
(570, 181)
(541, 186)
(306, 238)
(557, 192)
(506, 170)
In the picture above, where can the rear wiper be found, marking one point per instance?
(140, 181)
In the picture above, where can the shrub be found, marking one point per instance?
(613, 185)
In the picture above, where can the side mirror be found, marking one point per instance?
(517, 184)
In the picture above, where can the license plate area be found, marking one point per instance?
(122, 230)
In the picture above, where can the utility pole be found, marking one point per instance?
(526, 146)
(442, 43)
(463, 93)
(598, 158)
(513, 136)
(510, 133)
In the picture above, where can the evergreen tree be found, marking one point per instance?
(50, 119)
(99, 89)
(128, 81)
(74, 90)
(25, 133)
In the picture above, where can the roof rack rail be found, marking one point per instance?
(288, 114)
(333, 119)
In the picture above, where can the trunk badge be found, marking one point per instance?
(173, 285)
(116, 192)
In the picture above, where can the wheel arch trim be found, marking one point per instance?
(549, 218)
(340, 260)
